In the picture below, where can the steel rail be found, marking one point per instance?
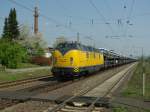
(23, 81)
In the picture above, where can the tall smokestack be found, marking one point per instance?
(36, 15)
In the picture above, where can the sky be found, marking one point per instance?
(119, 25)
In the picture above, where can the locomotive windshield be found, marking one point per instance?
(67, 46)
(64, 47)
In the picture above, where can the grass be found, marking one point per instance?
(6, 76)
(127, 109)
(120, 109)
(134, 86)
(28, 65)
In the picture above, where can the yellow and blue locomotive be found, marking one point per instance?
(74, 59)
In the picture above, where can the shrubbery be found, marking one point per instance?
(12, 54)
(16, 45)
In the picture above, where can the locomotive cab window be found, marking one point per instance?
(64, 47)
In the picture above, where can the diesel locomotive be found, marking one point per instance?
(75, 59)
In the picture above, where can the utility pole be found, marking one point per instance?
(143, 73)
(78, 37)
(36, 15)
(143, 84)
(90, 38)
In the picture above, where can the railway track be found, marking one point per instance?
(63, 107)
(19, 82)
(8, 102)
(46, 88)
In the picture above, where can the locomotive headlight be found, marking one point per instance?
(71, 60)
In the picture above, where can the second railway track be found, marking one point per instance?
(23, 81)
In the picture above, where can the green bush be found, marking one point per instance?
(120, 109)
(12, 54)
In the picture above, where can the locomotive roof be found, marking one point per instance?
(68, 45)
(76, 45)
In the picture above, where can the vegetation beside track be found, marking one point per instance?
(7, 76)
(120, 109)
(18, 47)
(126, 109)
(28, 65)
(134, 86)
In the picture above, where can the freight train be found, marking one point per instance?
(75, 59)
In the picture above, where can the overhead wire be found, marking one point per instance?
(21, 5)
(62, 7)
(66, 14)
(117, 36)
(120, 21)
(66, 9)
(55, 21)
(31, 10)
(103, 19)
(131, 9)
(129, 17)
(108, 6)
(42, 15)
(101, 15)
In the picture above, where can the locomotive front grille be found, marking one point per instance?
(76, 69)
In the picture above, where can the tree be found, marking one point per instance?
(5, 29)
(24, 32)
(11, 29)
(37, 45)
(13, 25)
(39, 51)
(34, 43)
(12, 54)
